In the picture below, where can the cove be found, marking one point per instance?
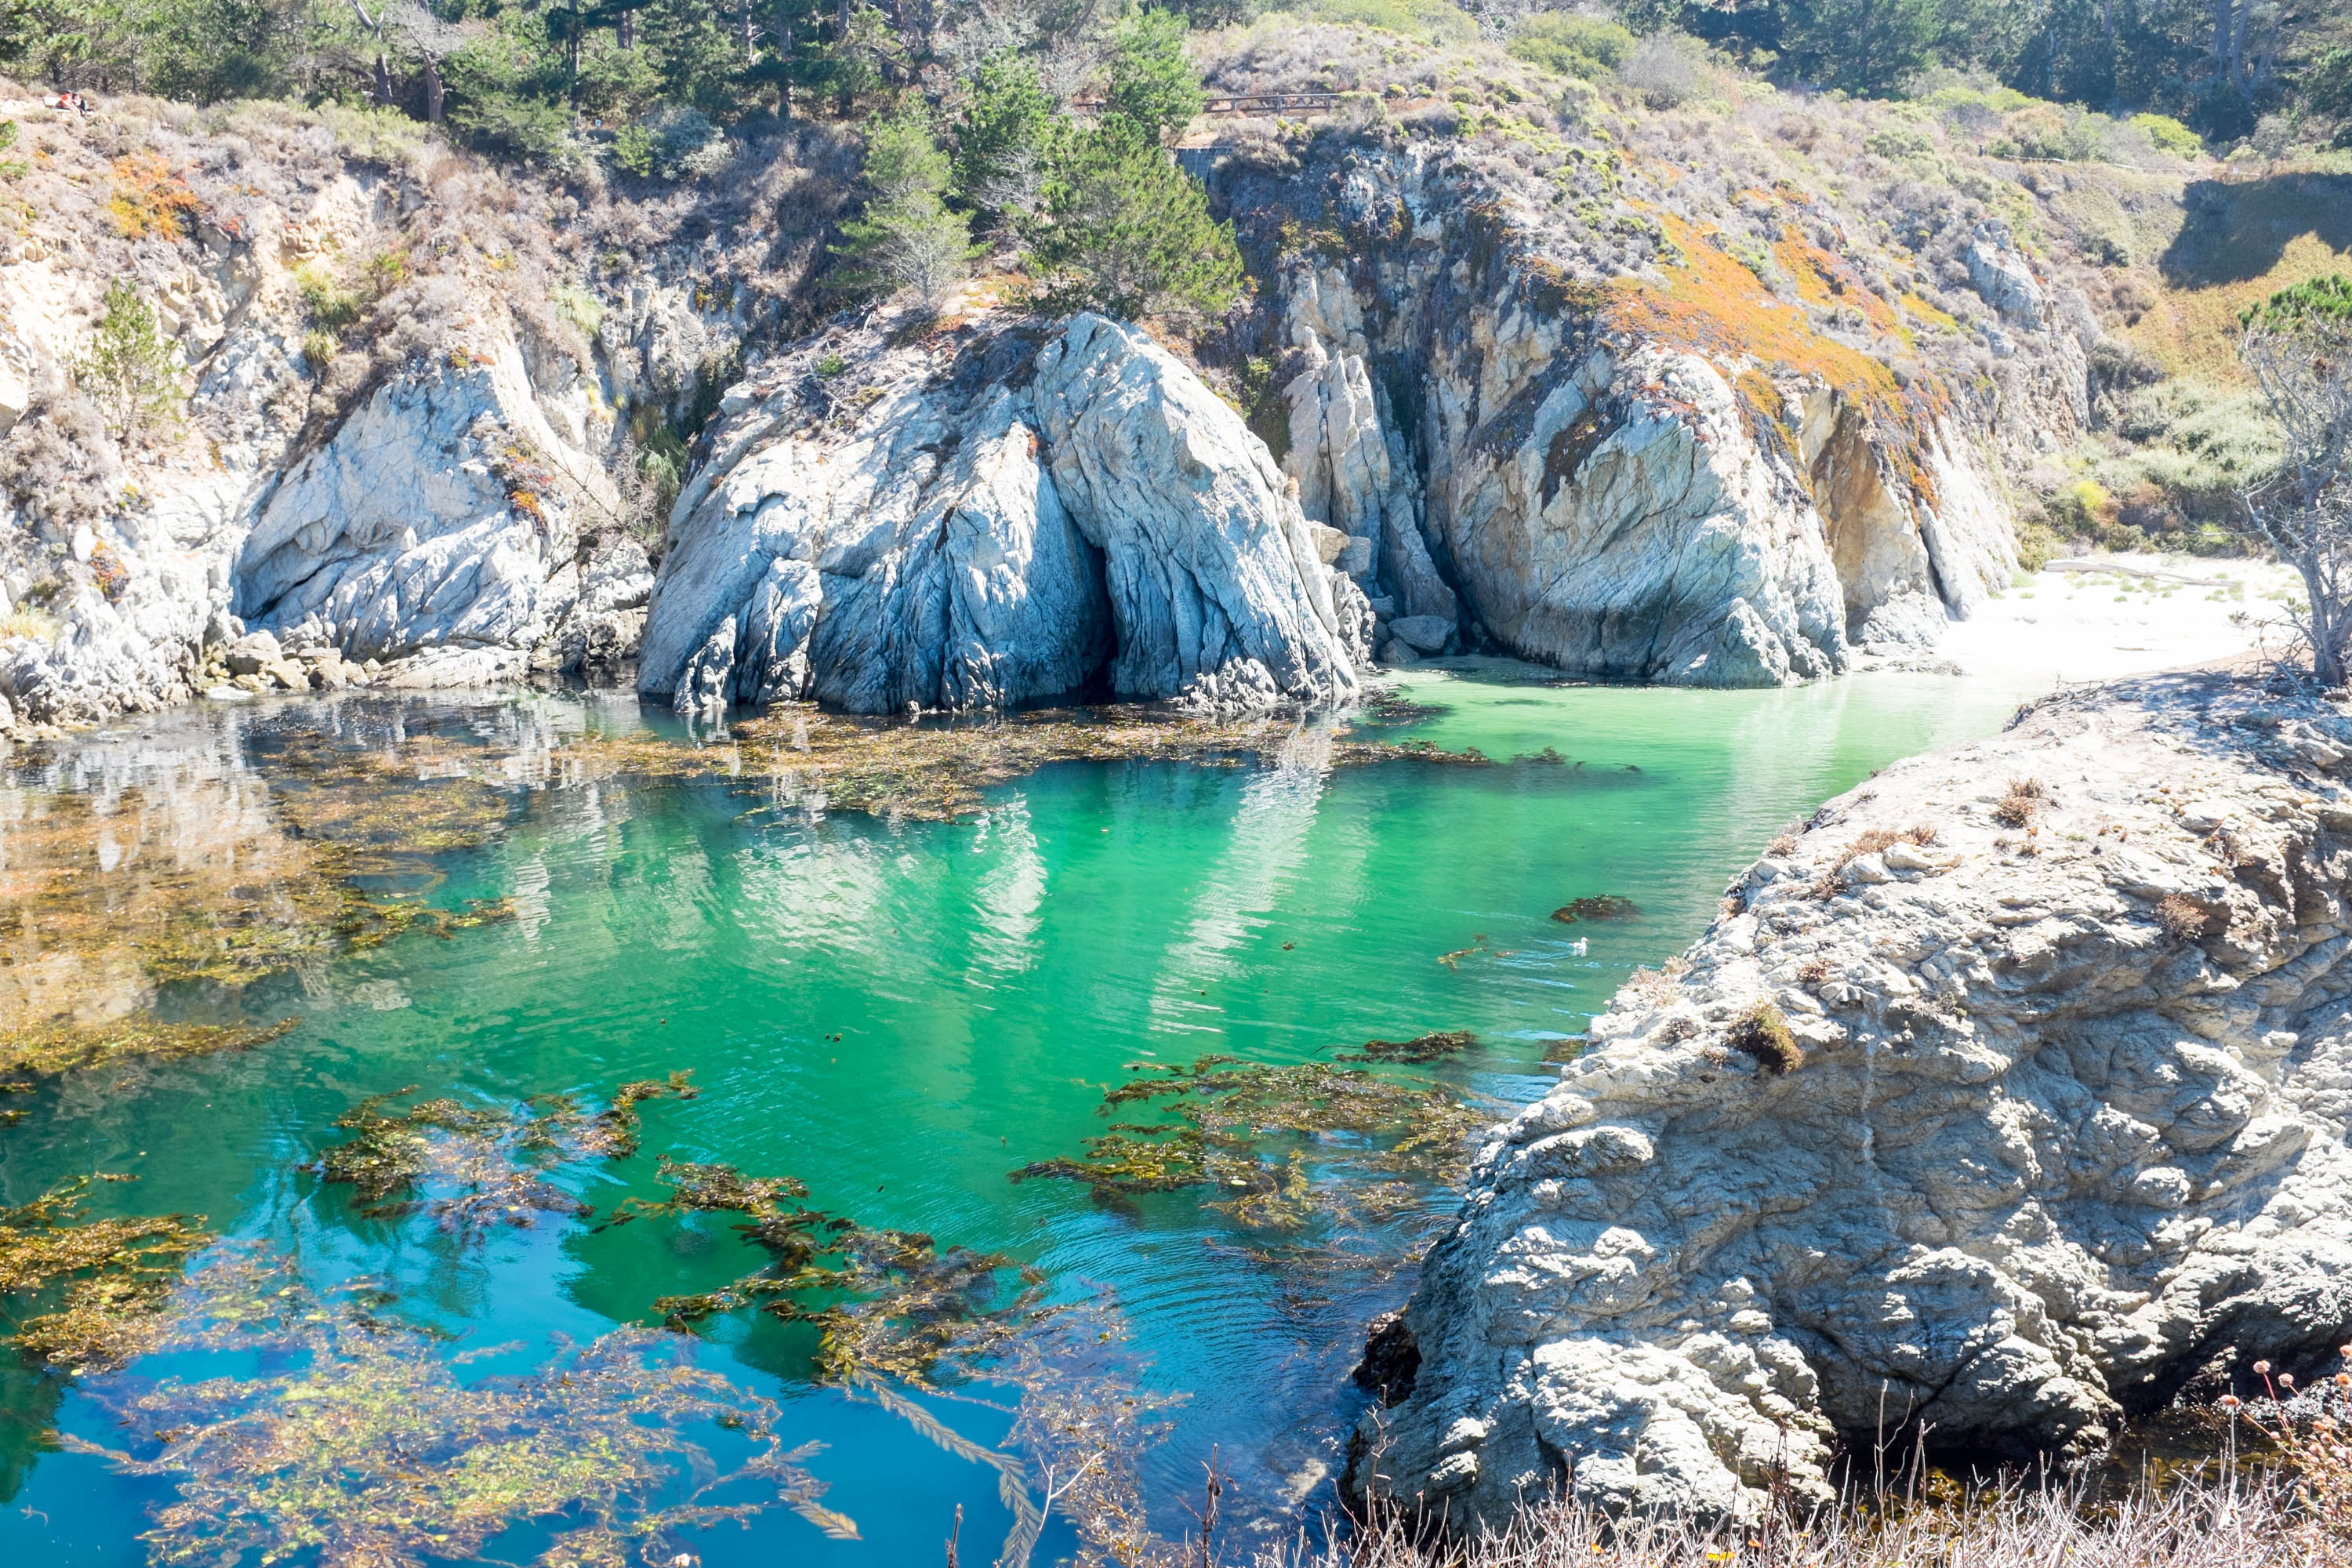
(897, 1013)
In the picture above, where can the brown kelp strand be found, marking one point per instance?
(885, 1303)
(358, 1440)
(1223, 1112)
(45, 1051)
(115, 1274)
(1601, 907)
(1430, 1048)
(481, 1165)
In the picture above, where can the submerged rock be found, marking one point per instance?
(1039, 509)
(2062, 1131)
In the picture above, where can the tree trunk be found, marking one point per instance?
(383, 80)
(750, 36)
(624, 30)
(432, 91)
(2238, 13)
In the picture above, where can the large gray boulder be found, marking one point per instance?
(2069, 1134)
(1009, 521)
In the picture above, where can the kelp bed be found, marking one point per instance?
(1364, 1146)
(352, 1433)
(349, 1433)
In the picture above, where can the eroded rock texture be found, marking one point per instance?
(1613, 477)
(1018, 516)
(2069, 1136)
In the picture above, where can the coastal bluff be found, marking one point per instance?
(2005, 1100)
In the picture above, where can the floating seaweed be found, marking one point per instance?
(1408, 1132)
(115, 1274)
(487, 1162)
(940, 771)
(1479, 947)
(48, 1049)
(1603, 907)
(885, 1303)
(357, 1441)
(1421, 1048)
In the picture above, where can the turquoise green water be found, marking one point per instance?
(899, 1015)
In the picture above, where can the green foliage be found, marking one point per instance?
(129, 370)
(500, 95)
(1006, 137)
(671, 143)
(2321, 308)
(2328, 82)
(2170, 135)
(909, 238)
(1436, 21)
(1128, 233)
(1862, 46)
(1153, 83)
(1570, 45)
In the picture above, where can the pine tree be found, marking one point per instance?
(129, 371)
(909, 239)
(1128, 233)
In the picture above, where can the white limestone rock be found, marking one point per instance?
(1049, 506)
(2047, 1162)
(432, 519)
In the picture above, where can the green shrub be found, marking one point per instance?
(1762, 1031)
(1569, 45)
(2170, 135)
(331, 307)
(1153, 84)
(1433, 21)
(2038, 543)
(1128, 233)
(1899, 140)
(128, 371)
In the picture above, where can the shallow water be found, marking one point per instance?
(899, 1014)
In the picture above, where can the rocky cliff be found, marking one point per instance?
(1595, 395)
(996, 516)
(390, 434)
(2009, 1097)
(1597, 408)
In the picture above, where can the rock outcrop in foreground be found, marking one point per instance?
(2068, 1137)
(1017, 516)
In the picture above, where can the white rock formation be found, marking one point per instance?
(1002, 528)
(1601, 500)
(2069, 1135)
(433, 518)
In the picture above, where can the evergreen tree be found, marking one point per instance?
(909, 239)
(1153, 83)
(129, 371)
(1005, 139)
(1128, 233)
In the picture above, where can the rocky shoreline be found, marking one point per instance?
(2007, 1099)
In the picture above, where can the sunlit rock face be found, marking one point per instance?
(1659, 472)
(1023, 515)
(2061, 1129)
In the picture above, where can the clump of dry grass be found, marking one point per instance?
(1832, 881)
(1762, 1031)
(2182, 917)
(2026, 799)
(2248, 1523)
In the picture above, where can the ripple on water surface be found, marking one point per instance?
(897, 1012)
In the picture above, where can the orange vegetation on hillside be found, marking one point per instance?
(1717, 307)
(149, 199)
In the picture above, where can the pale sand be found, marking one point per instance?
(2065, 627)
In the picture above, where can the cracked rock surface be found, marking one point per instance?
(2068, 1137)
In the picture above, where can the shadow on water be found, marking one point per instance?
(2237, 231)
